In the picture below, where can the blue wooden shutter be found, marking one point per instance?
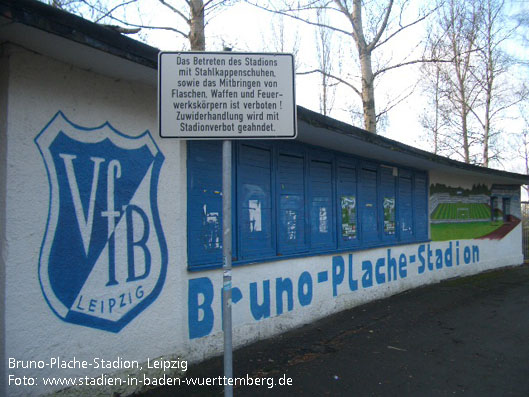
(254, 202)
(421, 206)
(368, 205)
(405, 205)
(322, 224)
(204, 203)
(291, 211)
(347, 206)
(388, 203)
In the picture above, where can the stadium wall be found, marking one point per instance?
(83, 164)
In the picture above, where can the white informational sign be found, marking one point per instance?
(225, 95)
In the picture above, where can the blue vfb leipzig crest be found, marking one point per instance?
(103, 258)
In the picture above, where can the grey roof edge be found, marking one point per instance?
(41, 16)
(72, 27)
(340, 127)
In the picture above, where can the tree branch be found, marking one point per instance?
(107, 13)
(175, 10)
(185, 35)
(382, 28)
(304, 20)
(397, 101)
(332, 77)
(407, 63)
(396, 32)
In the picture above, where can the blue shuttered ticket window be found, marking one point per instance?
(292, 199)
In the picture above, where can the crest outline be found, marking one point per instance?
(107, 134)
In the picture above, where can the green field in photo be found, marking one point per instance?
(462, 231)
(461, 211)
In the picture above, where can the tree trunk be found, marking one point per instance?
(464, 123)
(437, 105)
(486, 135)
(464, 117)
(489, 80)
(526, 152)
(368, 93)
(197, 38)
(366, 69)
(324, 94)
(461, 78)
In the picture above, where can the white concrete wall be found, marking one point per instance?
(337, 271)
(4, 75)
(175, 324)
(39, 87)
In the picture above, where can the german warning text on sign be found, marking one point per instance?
(226, 95)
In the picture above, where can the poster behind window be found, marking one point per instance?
(348, 204)
(389, 215)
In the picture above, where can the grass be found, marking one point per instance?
(462, 231)
(450, 211)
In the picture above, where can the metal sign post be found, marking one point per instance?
(226, 96)
(227, 257)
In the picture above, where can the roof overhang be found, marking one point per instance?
(69, 38)
(316, 129)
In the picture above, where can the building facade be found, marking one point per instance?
(111, 236)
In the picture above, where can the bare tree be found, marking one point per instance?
(521, 17)
(325, 54)
(474, 87)
(284, 39)
(520, 139)
(431, 119)
(191, 16)
(372, 27)
(499, 90)
(525, 148)
(460, 21)
(454, 34)
(280, 37)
